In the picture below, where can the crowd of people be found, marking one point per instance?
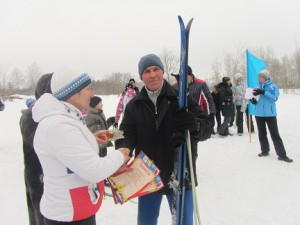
(67, 163)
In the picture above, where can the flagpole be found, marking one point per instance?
(250, 128)
(254, 66)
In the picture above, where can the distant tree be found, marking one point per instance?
(10, 90)
(233, 62)
(216, 72)
(296, 66)
(286, 71)
(33, 73)
(171, 63)
(17, 79)
(3, 79)
(112, 84)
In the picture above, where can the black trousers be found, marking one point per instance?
(218, 118)
(271, 122)
(224, 128)
(212, 121)
(251, 120)
(239, 119)
(232, 114)
(88, 221)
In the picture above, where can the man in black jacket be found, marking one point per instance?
(33, 173)
(153, 123)
(226, 98)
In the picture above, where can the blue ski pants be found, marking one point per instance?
(149, 206)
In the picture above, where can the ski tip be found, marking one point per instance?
(190, 22)
(180, 19)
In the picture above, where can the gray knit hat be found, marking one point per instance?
(264, 74)
(149, 60)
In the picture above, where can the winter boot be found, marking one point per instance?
(263, 154)
(285, 159)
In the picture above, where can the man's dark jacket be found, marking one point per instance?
(149, 129)
(226, 97)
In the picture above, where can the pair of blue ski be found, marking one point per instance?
(181, 154)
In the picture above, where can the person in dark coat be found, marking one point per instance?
(131, 84)
(33, 173)
(216, 97)
(226, 97)
(199, 90)
(153, 124)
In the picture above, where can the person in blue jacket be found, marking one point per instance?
(265, 114)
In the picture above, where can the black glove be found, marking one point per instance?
(115, 125)
(258, 92)
(204, 130)
(182, 120)
(253, 101)
(111, 120)
(177, 139)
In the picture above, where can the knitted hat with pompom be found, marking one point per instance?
(68, 81)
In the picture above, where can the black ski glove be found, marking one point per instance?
(182, 120)
(258, 91)
(111, 120)
(253, 101)
(177, 139)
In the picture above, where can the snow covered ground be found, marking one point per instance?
(235, 185)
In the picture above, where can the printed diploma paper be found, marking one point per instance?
(142, 179)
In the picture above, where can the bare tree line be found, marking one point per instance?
(17, 82)
(285, 71)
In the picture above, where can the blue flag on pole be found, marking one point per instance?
(254, 66)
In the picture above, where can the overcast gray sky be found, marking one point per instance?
(102, 37)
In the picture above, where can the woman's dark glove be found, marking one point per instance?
(253, 101)
(115, 125)
(182, 120)
(258, 92)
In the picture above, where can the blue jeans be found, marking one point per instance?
(149, 206)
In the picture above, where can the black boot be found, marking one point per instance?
(285, 159)
(263, 154)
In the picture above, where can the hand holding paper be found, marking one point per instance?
(110, 135)
(143, 178)
(258, 91)
(253, 101)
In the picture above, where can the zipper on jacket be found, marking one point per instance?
(155, 118)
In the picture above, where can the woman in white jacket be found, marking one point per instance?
(68, 152)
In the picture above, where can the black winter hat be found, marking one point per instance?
(43, 86)
(189, 71)
(225, 79)
(95, 101)
(132, 79)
